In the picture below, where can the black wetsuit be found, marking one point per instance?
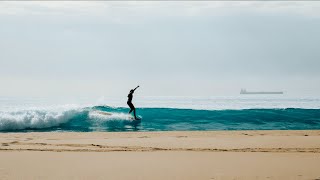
(129, 101)
(132, 108)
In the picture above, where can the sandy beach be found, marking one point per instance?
(161, 155)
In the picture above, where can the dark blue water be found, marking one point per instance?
(162, 119)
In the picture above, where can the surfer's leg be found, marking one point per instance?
(130, 105)
(134, 113)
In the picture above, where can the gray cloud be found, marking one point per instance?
(175, 48)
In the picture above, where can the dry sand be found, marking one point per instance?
(161, 155)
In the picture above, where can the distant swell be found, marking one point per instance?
(156, 119)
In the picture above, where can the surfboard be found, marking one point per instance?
(109, 114)
(133, 119)
(104, 113)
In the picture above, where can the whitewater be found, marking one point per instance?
(160, 114)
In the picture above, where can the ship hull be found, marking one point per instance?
(261, 93)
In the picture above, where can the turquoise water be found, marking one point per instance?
(24, 118)
(169, 119)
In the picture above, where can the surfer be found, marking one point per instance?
(129, 102)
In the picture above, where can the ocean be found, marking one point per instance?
(246, 112)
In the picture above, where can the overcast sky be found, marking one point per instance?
(169, 48)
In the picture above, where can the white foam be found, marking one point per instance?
(36, 117)
(98, 115)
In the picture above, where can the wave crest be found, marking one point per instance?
(35, 119)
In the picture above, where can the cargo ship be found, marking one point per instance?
(244, 91)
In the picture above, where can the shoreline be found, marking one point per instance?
(198, 141)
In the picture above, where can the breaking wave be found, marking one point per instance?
(105, 118)
(36, 119)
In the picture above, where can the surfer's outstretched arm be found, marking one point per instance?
(136, 88)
